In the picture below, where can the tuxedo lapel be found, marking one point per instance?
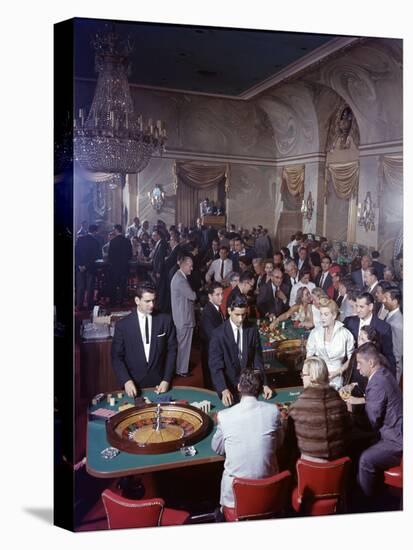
(232, 345)
(152, 349)
(136, 336)
(244, 361)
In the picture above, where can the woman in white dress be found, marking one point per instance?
(332, 342)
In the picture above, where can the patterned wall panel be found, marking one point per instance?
(158, 172)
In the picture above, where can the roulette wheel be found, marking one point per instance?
(157, 428)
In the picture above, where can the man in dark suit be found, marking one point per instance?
(372, 284)
(245, 285)
(385, 413)
(144, 346)
(271, 299)
(359, 276)
(378, 266)
(303, 263)
(234, 346)
(364, 308)
(159, 274)
(211, 318)
(87, 251)
(324, 279)
(119, 254)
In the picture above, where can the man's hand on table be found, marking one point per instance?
(130, 389)
(227, 398)
(163, 387)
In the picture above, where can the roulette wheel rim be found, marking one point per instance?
(137, 447)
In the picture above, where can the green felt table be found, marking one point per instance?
(129, 464)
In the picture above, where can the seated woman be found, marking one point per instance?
(320, 418)
(332, 342)
(316, 295)
(301, 311)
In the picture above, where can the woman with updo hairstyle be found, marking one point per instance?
(332, 342)
(320, 418)
(316, 295)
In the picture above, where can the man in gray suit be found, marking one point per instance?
(391, 300)
(183, 313)
(384, 410)
(248, 434)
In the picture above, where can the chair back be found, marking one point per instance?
(321, 480)
(123, 513)
(259, 498)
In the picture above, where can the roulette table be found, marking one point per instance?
(130, 463)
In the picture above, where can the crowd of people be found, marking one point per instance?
(216, 280)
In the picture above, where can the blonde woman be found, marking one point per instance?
(316, 295)
(302, 310)
(332, 342)
(320, 417)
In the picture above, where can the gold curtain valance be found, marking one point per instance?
(392, 170)
(345, 178)
(293, 178)
(200, 176)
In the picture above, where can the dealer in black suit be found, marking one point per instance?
(365, 316)
(144, 346)
(234, 346)
(211, 318)
(385, 413)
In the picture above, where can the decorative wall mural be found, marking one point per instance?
(369, 78)
(293, 118)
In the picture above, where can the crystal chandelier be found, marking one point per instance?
(111, 138)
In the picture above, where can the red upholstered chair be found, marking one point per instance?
(394, 476)
(320, 486)
(259, 498)
(123, 513)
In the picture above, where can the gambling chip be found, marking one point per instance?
(109, 453)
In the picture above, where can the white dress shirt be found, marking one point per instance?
(235, 330)
(141, 319)
(365, 322)
(215, 270)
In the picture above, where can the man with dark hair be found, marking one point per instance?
(324, 279)
(220, 268)
(303, 263)
(159, 275)
(211, 318)
(372, 282)
(378, 266)
(234, 345)
(391, 300)
(119, 254)
(133, 229)
(246, 283)
(144, 346)
(249, 435)
(87, 251)
(385, 413)
(271, 298)
(183, 312)
(239, 250)
(365, 316)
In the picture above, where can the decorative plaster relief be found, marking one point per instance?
(291, 112)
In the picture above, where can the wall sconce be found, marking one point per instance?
(307, 207)
(365, 213)
(157, 198)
